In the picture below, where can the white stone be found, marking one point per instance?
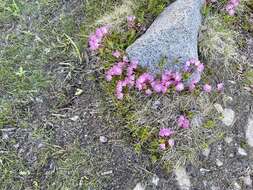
(206, 152)
(74, 118)
(228, 139)
(103, 139)
(247, 180)
(219, 163)
(237, 186)
(107, 172)
(249, 131)
(215, 187)
(155, 180)
(242, 152)
(182, 178)
(228, 117)
(203, 170)
(139, 186)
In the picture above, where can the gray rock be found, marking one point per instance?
(219, 163)
(247, 180)
(139, 186)
(249, 129)
(228, 117)
(155, 180)
(228, 139)
(182, 178)
(173, 36)
(206, 152)
(103, 139)
(242, 151)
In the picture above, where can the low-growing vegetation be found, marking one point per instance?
(44, 62)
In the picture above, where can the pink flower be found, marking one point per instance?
(200, 67)
(171, 142)
(96, 38)
(231, 6)
(119, 89)
(131, 21)
(131, 18)
(191, 87)
(99, 34)
(162, 146)
(180, 87)
(207, 88)
(148, 92)
(144, 80)
(197, 63)
(166, 132)
(183, 122)
(235, 2)
(108, 77)
(115, 70)
(231, 12)
(116, 54)
(157, 86)
(104, 29)
(220, 87)
(125, 59)
(177, 77)
(193, 64)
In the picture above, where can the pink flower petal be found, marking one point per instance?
(207, 88)
(166, 132)
(162, 146)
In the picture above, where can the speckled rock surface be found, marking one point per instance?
(173, 35)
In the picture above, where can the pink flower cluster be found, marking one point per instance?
(183, 122)
(192, 65)
(168, 79)
(208, 88)
(166, 132)
(131, 21)
(118, 69)
(96, 38)
(148, 83)
(231, 6)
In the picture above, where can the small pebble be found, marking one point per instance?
(182, 178)
(103, 139)
(74, 118)
(247, 180)
(155, 180)
(237, 186)
(228, 117)
(107, 172)
(5, 136)
(219, 163)
(242, 151)
(206, 152)
(228, 139)
(203, 170)
(249, 129)
(139, 186)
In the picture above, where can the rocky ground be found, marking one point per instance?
(64, 137)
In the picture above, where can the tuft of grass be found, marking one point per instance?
(217, 42)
